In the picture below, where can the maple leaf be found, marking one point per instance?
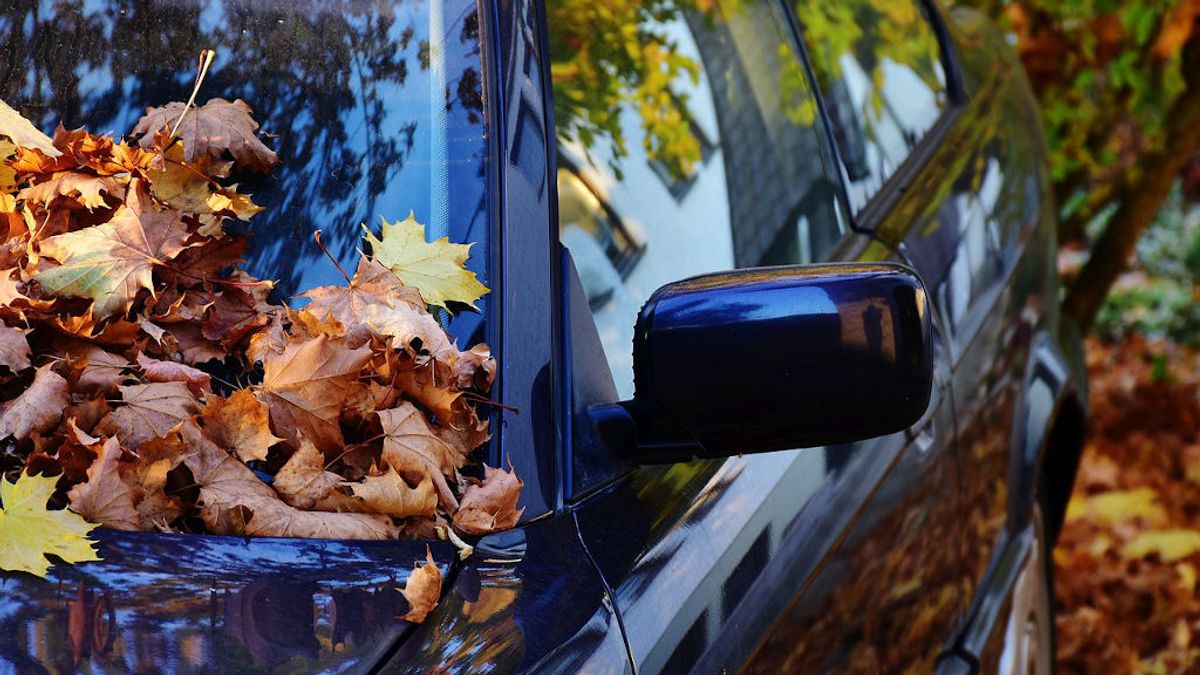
(305, 387)
(198, 381)
(390, 495)
(190, 188)
(304, 483)
(38, 408)
(491, 505)
(438, 270)
(87, 189)
(240, 423)
(235, 501)
(104, 498)
(233, 315)
(422, 590)
(209, 131)
(29, 531)
(22, 132)
(110, 263)
(14, 348)
(413, 448)
(149, 411)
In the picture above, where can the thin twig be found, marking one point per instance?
(206, 59)
(317, 237)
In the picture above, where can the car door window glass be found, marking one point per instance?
(689, 142)
(878, 66)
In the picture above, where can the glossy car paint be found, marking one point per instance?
(878, 554)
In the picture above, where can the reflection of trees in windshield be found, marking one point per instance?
(615, 53)
(343, 88)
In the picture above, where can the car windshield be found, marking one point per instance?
(375, 109)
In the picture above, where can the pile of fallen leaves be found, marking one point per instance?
(1128, 557)
(161, 387)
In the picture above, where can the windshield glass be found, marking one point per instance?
(375, 109)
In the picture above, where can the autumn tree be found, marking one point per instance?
(1118, 83)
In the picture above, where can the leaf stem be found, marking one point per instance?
(317, 237)
(206, 59)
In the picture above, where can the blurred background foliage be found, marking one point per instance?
(1118, 83)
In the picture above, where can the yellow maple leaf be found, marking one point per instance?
(29, 531)
(22, 132)
(436, 269)
(1170, 545)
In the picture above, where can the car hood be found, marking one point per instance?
(197, 603)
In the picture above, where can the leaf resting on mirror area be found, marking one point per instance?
(29, 531)
(438, 269)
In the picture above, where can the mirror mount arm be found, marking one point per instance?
(616, 425)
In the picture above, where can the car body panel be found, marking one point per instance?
(199, 604)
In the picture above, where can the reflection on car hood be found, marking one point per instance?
(191, 604)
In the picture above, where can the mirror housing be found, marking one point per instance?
(775, 358)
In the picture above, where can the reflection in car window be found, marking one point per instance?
(879, 68)
(688, 144)
(372, 112)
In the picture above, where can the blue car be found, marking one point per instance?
(774, 299)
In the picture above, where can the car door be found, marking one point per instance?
(690, 141)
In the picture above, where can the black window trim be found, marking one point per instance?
(880, 204)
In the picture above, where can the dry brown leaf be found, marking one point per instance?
(389, 495)
(198, 381)
(105, 498)
(149, 411)
(240, 423)
(490, 506)
(305, 387)
(38, 408)
(110, 263)
(14, 348)
(304, 483)
(210, 130)
(413, 448)
(422, 590)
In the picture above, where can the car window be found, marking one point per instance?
(689, 142)
(375, 109)
(878, 66)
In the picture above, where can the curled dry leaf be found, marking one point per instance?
(491, 505)
(390, 495)
(14, 348)
(39, 408)
(198, 381)
(422, 590)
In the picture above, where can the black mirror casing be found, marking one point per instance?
(784, 357)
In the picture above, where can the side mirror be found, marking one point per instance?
(775, 358)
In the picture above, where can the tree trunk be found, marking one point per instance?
(1141, 199)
